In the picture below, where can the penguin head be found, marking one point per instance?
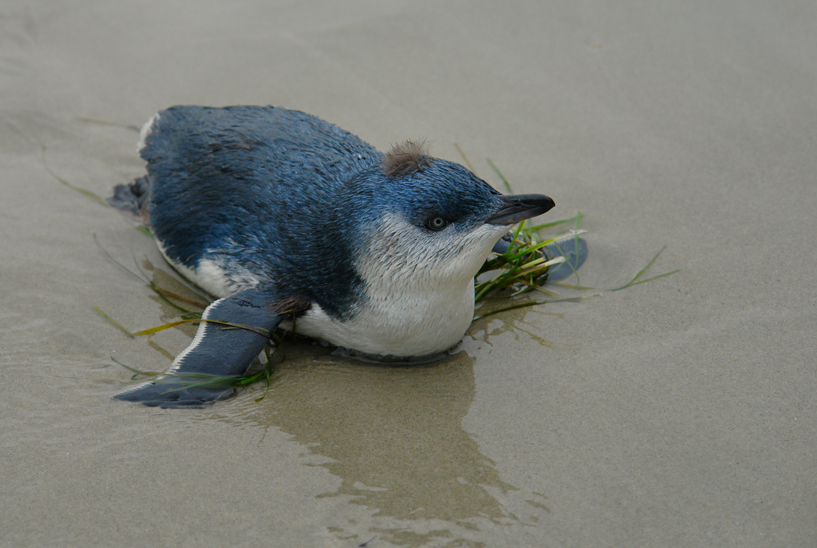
(431, 221)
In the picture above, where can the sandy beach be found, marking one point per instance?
(676, 413)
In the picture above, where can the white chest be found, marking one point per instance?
(419, 291)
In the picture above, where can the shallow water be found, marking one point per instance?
(674, 413)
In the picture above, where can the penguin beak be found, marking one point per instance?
(519, 207)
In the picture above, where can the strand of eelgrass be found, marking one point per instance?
(69, 184)
(643, 270)
(213, 381)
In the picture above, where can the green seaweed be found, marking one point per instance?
(67, 183)
(108, 123)
(521, 267)
(191, 380)
(114, 322)
(152, 330)
(643, 270)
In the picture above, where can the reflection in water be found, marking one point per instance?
(393, 435)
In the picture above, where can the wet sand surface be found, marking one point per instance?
(680, 412)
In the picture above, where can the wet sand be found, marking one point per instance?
(680, 412)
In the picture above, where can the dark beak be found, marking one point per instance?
(519, 207)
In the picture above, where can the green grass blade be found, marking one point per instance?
(260, 330)
(548, 225)
(137, 371)
(120, 265)
(573, 286)
(542, 290)
(533, 303)
(163, 294)
(507, 308)
(167, 293)
(640, 272)
(214, 382)
(465, 158)
(99, 122)
(191, 380)
(575, 248)
(114, 322)
(651, 279)
(156, 329)
(504, 180)
(87, 193)
(526, 249)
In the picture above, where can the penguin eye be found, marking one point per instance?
(436, 223)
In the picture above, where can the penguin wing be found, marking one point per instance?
(199, 374)
(574, 250)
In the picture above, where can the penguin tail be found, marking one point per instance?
(133, 198)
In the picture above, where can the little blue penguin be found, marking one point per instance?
(295, 223)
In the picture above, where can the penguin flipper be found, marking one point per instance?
(217, 350)
(574, 250)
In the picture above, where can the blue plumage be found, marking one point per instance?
(239, 183)
(284, 215)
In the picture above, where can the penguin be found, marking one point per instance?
(293, 222)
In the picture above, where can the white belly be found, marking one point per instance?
(402, 326)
